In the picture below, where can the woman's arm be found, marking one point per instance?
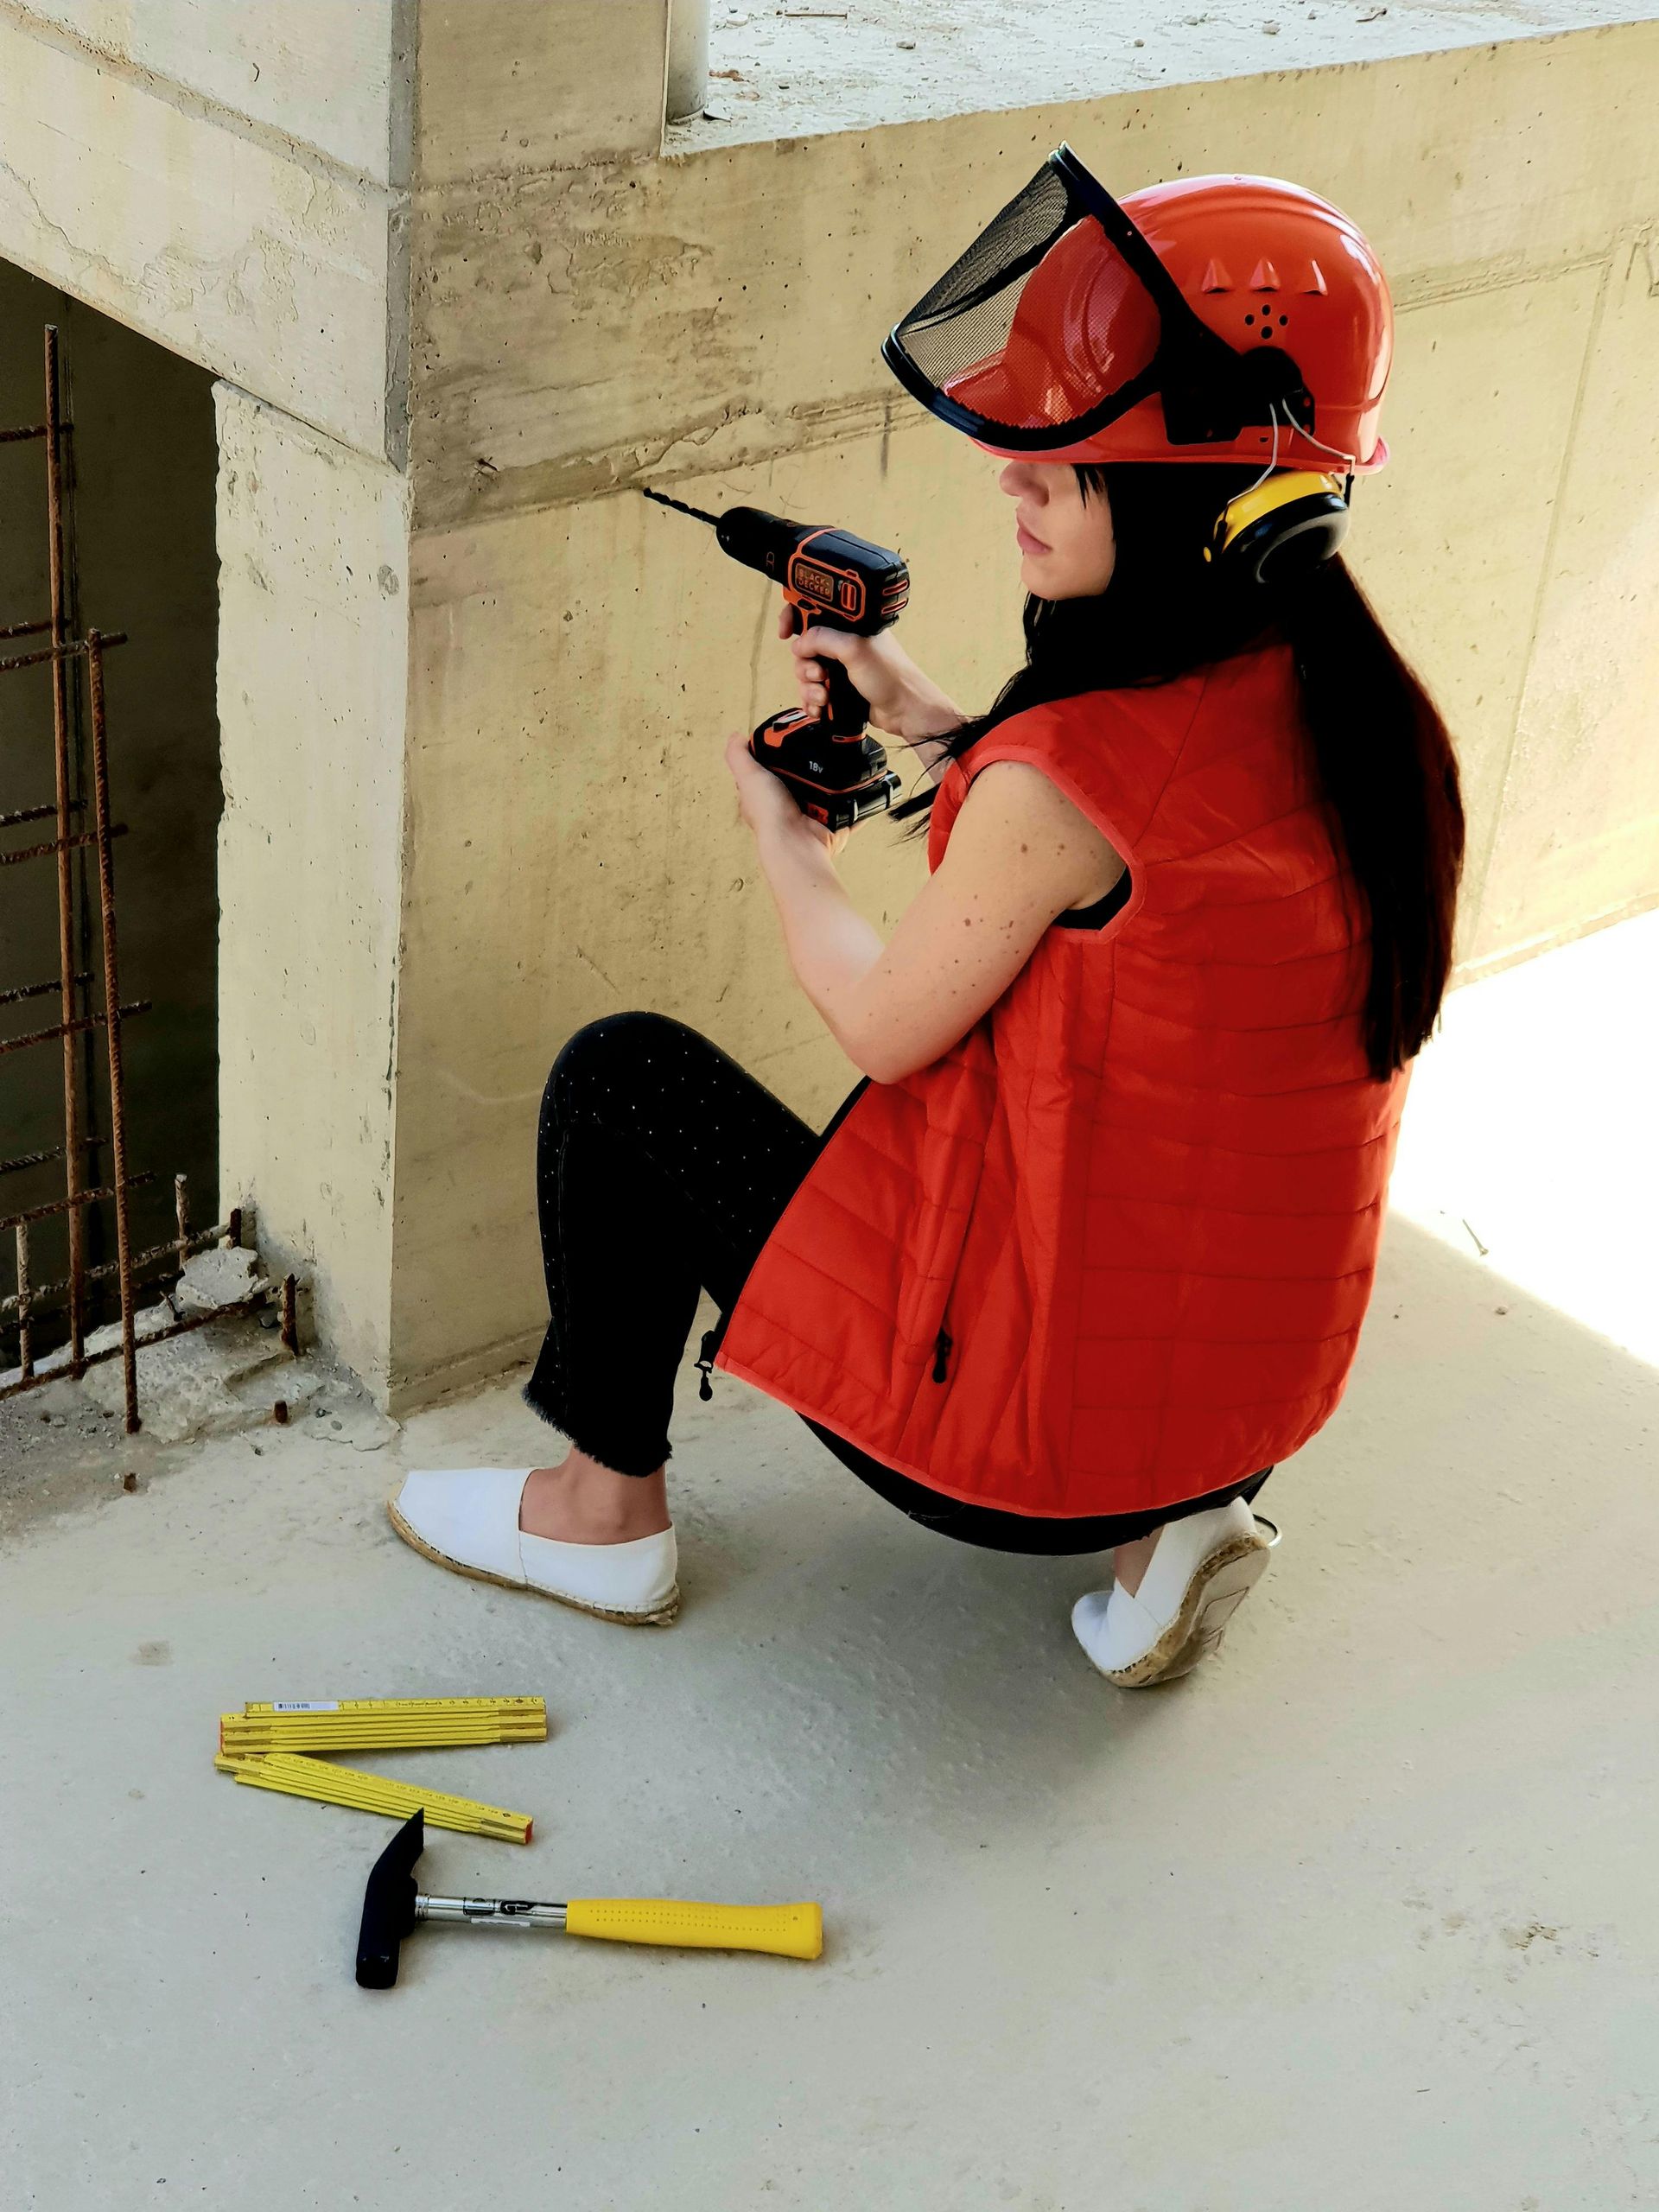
(1019, 853)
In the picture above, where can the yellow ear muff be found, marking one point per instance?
(1279, 528)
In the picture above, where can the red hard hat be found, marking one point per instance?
(1079, 329)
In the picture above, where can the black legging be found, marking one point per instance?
(661, 1166)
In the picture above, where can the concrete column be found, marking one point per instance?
(313, 683)
(687, 59)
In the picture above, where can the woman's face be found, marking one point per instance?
(1066, 547)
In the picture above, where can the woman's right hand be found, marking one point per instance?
(904, 702)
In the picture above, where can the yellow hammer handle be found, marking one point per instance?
(793, 1931)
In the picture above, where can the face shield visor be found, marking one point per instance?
(1060, 317)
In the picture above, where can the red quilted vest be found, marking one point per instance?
(1113, 1248)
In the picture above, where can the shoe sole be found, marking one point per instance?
(663, 1616)
(1217, 1588)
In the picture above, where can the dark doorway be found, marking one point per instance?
(143, 461)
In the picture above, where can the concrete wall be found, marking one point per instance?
(145, 465)
(698, 321)
(313, 681)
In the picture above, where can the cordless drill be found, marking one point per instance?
(834, 770)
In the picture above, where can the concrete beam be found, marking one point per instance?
(321, 73)
(713, 310)
(227, 235)
(793, 73)
(507, 86)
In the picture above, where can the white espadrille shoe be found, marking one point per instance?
(1200, 1570)
(466, 1519)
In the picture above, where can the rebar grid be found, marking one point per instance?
(67, 654)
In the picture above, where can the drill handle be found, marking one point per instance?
(848, 714)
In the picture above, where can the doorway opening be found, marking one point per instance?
(137, 538)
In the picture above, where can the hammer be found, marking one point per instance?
(393, 1907)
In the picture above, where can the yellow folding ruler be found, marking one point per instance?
(296, 1776)
(362, 1724)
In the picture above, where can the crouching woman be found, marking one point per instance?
(1086, 1251)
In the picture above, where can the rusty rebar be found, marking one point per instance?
(32, 430)
(43, 1295)
(290, 1328)
(181, 1215)
(74, 1029)
(41, 1376)
(31, 1160)
(71, 649)
(112, 1025)
(39, 1159)
(58, 845)
(84, 1196)
(66, 963)
(25, 1345)
(34, 814)
(36, 990)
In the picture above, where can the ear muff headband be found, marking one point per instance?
(1288, 524)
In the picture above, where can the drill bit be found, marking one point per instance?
(680, 507)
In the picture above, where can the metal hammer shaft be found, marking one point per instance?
(480, 1909)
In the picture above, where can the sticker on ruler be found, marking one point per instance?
(305, 1705)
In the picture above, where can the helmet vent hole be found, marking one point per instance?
(1250, 318)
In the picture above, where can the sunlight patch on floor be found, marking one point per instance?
(1529, 1141)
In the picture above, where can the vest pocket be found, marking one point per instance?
(932, 1205)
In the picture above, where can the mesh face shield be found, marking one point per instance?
(1059, 319)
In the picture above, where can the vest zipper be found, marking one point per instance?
(941, 1345)
(707, 1349)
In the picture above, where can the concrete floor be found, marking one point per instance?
(789, 68)
(1359, 1915)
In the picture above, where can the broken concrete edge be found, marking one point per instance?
(233, 1374)
(223, 1276)
(223, 1282)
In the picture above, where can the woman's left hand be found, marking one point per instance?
(765, 803)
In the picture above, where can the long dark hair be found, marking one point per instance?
(1384, 760)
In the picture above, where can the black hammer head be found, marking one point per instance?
(389, 1906)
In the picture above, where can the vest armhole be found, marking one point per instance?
(1098, 916)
